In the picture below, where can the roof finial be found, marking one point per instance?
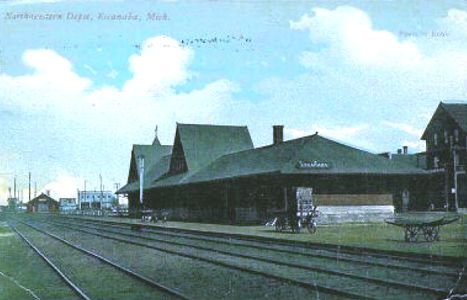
(156, 139)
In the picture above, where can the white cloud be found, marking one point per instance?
(355, 73)
(416, 132)
(414, 145)
(354, 46)
(64, 186)
(350, 135)
(3, 190)
(68, 121)
(161, 65)
(349, 33)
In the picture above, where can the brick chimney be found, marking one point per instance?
(278, 134)
(406, 150)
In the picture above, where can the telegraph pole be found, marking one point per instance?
(29, 186)
(14, 188)
(117, 187)
(102, 194)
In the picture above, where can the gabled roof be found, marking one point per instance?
(152, 155)
(43, 196)
(457, 111)
(301, 156)
(223, 152)
(203, 144)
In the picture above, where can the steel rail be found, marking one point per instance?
(113, 264)
(330, 256)
(390, 283)
(335, 273)
(296, 282)
(70, 283)
(414, 257)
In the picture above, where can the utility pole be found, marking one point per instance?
(102, 194)
(14, 188)
(29, 199)
(35, 189)
(84, 195)
(117, 187)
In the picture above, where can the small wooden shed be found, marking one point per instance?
(43, 204)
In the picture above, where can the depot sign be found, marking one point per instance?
(315, 164)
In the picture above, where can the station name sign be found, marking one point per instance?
(304, 164)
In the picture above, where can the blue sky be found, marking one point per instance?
(74, 96)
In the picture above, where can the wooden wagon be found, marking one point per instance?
(413, 228)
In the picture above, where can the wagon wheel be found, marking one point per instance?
(279, 225)
(411, 233)
(436, 233)
(431, 233)
(311, 227)
(428, 232)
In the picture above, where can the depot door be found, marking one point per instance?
(405, 200)
(42, 207)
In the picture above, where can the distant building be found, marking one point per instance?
(446, 151)
(68, 204)
(12, 203)
(96, 200)
(42, 204)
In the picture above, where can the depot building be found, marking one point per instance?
(214, 174)
(42, 204)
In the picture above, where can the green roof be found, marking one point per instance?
(223, 152)
(203, 144)
(416, 160)
(152, 155)
(308, 155)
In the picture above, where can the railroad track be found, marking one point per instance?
(139, 277)
(385, 254)
(386, 284)
(388, 261)
(300, 283)
(70, 283)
